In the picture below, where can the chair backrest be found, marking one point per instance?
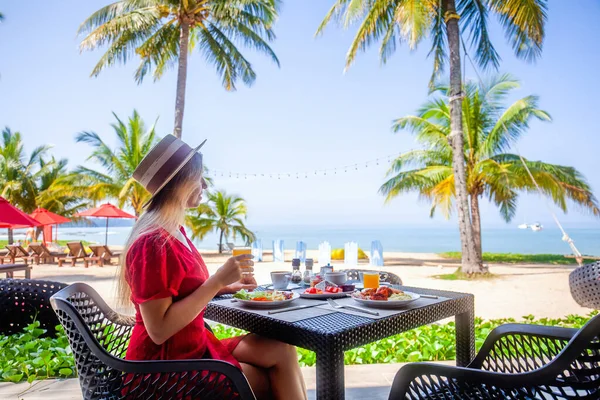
(351, 253)
(257, 250)
(376, 256)
(101, 251)
(584, 283)
(355, 275)
(12, 250)
(21, 251)
(38, 249)
(278, 251)
(301, 251)
(23, 300)
(76, 249)
(324, 253)
(99, 338)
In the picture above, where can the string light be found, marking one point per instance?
(316, 172)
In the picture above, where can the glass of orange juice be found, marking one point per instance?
(371, 280)
(242, 250)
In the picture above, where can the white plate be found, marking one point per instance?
(388, 303)
(267, 304)
(324, 295)
(290, 286)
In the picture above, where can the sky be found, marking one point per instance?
(306, 115)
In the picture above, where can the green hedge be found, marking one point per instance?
(26, 356)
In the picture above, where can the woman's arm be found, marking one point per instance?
(163, 318)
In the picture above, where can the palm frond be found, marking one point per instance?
(227, 59)
(512, 124)
(524, 23)
(474, 18)
(335, 12)
(438, 45)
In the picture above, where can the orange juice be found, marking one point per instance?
(371, 280)
(239, 252)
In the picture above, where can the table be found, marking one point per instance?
(332, 334)
(9, 269)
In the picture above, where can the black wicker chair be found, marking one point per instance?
(99, 338)
(516, 362)
(354, 276)
(584, 282)
(23, 300)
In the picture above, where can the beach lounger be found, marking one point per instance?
(301, 251)
(44, 253)
(376, 256)
(105, 253)
(278, 251)
(77, 252)
(3, 256)
(257, 250)
(16, 251)
(231, 246)
(351, 254)
(324, 253)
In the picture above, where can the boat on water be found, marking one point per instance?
(536, 227)
(523, 226)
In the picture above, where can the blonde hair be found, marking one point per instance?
(167, 211)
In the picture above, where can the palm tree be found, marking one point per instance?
(59, 191)
(1, 17)
(163, 32)
(223, 214)
(491, 170)
(395, 21)
(18, 174)
(116, 181)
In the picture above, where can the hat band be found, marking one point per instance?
(160, 162)
(165, 172)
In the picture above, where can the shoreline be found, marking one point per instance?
(517, 290)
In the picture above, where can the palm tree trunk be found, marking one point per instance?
(476, 218)
(184, 39)
(11, 238)
(469, 264)
(221, 242)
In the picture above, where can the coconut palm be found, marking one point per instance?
(57, 190)
(222, 213)
(116, 181)
(18, 173)
(492, 171)
(395, 21)
(163, 32)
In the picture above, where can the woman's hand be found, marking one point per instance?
(239, 285)
(232, 270)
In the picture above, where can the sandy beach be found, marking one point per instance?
(518, 290)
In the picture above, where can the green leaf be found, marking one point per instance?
(65, 371)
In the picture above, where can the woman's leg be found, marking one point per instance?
(281, 362)
(258, 378)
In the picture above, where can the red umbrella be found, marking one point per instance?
(11, 217)
(45, 217)
(105, 211)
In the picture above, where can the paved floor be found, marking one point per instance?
(371, 382)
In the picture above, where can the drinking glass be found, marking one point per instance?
(242, 250)
(371, 280)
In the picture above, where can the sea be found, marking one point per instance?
(413, 239)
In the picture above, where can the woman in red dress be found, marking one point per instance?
(167, 280)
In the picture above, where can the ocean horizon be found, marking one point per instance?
(410, 239)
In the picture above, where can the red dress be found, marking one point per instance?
(160, 266)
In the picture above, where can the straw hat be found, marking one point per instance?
(163, 162)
